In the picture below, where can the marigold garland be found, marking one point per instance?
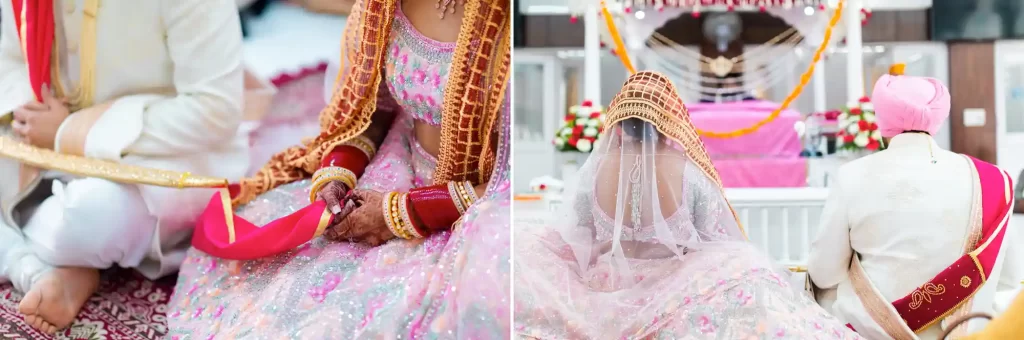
(804, 79)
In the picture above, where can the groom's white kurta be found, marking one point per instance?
(171, 71)
(908, 220)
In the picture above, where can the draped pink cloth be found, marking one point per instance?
(905, 103)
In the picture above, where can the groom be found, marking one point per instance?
(154, 83)
(913, 236)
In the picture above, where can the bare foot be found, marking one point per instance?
(54, 300)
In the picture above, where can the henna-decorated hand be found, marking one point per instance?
(362, 220)
(333, 193)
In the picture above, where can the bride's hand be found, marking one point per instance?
(333, 193)
(364, 223)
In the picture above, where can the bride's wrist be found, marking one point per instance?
(345, 164)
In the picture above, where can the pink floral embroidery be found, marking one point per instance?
(744, 297)
(217, 312)
(704, 323)
(331, 281)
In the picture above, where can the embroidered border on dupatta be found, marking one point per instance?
(651, 97)
(956, 285)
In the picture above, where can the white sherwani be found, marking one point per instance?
(908, 220)
(172, 71)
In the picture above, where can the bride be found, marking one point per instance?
(648, 246)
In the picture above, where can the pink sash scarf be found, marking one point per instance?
(954, 286)
(235, 238)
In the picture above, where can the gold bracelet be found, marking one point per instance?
(456, 198)
(403, 208)
(364, 144)
(333, 170)
(348, 176)
(466, 200)
(386, 207)
(471, 192)
(396, 216)
(326, 175)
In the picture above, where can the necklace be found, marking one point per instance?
(447, 7)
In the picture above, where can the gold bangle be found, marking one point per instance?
(463, 195)
(396, 217)
(386, 207)
(348, 177)
(403, 208)
(364, 144)
(454, 193)
(322, 180)
(333, 170)
(471, 192)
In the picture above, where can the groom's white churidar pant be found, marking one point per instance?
(87, 222)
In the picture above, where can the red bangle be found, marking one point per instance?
(434, 207)
(348, 157)
(412, 218)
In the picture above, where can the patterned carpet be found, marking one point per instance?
(127, 307)
(130, 307)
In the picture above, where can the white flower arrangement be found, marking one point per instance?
(857, 127)
(583, 125)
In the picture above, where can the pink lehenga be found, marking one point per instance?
(450, 285)
(649, 248)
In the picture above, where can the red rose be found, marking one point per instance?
(587, 103)
(570, 117)
(572, 141)
(848, 138)
(864, 125)
(872, 145)
(595, 115)
(591, 139)
(831, 115)
(577, 130)
(542, 187)
(873, 127)
(855, 111)
(865, 99)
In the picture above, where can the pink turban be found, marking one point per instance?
(904, 103)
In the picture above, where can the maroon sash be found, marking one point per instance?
(946, 292)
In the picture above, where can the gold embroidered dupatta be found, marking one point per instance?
(473, 96)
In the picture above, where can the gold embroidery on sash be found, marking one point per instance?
(965, 281)
(924, 294)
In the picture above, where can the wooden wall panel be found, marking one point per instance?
(972, 85)
(895, 26)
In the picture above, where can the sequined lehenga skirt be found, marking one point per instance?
(450, 285)
(731, 291)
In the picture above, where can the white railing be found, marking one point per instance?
(782, 221)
